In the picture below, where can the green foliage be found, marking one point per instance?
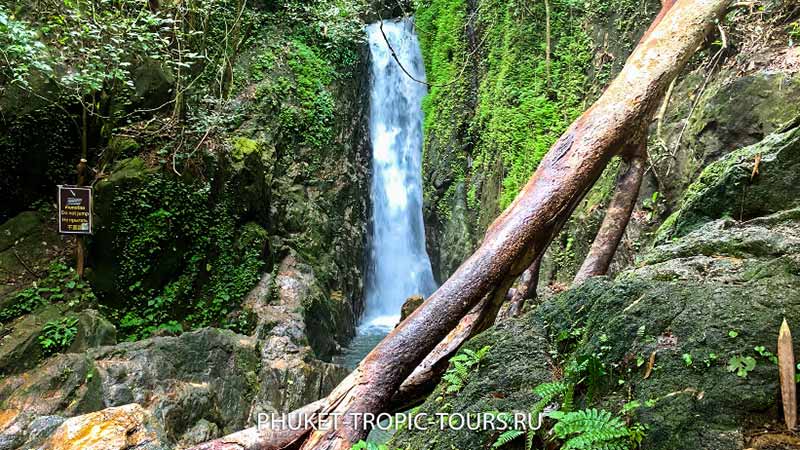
(61, 284)
(58, 335)
(794, 33)
(766, 354)
(461, 365)
(368, 445)
(582, 429)
(741, 365)
(166, 225)
(523, 102)
(335, 26)
(506, 437)
(22, 52)
(653, 205)
(592, 429)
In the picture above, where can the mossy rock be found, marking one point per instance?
(742, 112)
(696, 313)
(20, 349)
(733, 186)
(127, 174)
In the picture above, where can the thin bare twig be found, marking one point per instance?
(412, 77)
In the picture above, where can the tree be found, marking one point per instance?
(519, 235)
(618, 213)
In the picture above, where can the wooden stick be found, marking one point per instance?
(786, 368)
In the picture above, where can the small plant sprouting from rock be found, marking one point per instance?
(57, 335)
(741, 365)
(764, 353)
(461, 365)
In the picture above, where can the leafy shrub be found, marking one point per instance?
(60, 284)
(58, 335)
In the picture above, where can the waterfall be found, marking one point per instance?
(398, 265)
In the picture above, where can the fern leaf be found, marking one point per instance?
(507, 437)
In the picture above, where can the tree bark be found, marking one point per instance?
(523, 231)
(269, 436)
(527, 289)
(618, 213)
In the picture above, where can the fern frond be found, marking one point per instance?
(550, 390)
(529, 440)
(592, 429)
(547, 393)
(506, 437)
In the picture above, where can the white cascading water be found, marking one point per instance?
(398, 265)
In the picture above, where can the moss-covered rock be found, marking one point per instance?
(753, 181)
(704, 308)
(27, 243)
(20, 349)
(695, 313)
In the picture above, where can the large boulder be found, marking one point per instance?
(292, 339)
(703, 308)
(206, 375)
(750, 182)
(20, 349)
(119, 428)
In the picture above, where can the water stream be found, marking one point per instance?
(398, 265)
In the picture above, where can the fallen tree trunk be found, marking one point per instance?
(618, 213)
(523, 231)
(527, 290)
(271, 435)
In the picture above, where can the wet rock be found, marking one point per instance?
(410, 305)
(42, 427)
(208, 374)
(93, 331)
(120, 428)
(201, 432)
(291, 375)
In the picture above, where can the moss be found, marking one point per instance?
(170, 253)
(242, 147)
(497, 104)
(729, 188)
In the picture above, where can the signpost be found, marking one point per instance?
(74, 210)
(75, 215)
